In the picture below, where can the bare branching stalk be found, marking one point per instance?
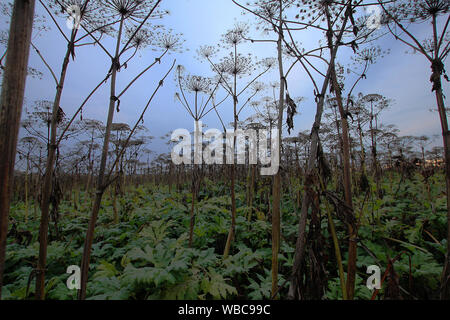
(51, 156)
(333, 46)
(235, 66)
(276, 191)
(100, 180)
(198, 86)
(125, 11)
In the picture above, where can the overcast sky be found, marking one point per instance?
(402, 77)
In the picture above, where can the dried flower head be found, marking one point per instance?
(169, 41)
(29, 140)
(140, 39)
(236, 35)
(258, 86)
(268, 63)
(207, 52)
(419, 10)
(128, 9)
(369, 55)
(239, 65)
(89, 12)
(197, 84)
(312, 11)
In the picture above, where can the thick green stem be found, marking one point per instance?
(100, 182)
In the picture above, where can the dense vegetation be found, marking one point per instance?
(146, 255)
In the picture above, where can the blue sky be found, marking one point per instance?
(203, 22)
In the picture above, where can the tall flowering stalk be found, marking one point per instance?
(133, 16)
(197, 86)
(230, 70)
(88, 17)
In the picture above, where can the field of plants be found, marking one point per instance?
(93, 206)
(145, 255)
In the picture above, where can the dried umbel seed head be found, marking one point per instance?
(29, 140)
(140, 39)
(313, 11)
(207, 52)
(376, 102)
(197, 84)
(236, 35)
(169, 41)
(120, 127)
(125, 8)
(372, 97)
(269, 9)
(43, 110)
(370, 55)
(91, 124)
(88, 12)
(268, 63)
(180, 70)
(274, 85)
(130, 9)
(255, 103)
(239, 65)
(220, 79)
(136, 143)
(258, 86)
(267, 100)
(104, 30)
(416, 10)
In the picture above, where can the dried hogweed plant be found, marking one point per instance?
(400, 18)
(235, 77)
(135, 15)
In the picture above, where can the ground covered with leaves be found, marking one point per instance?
(146, 254)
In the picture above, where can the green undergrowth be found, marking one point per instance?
(146, 254)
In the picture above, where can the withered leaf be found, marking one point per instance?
(291, 111)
